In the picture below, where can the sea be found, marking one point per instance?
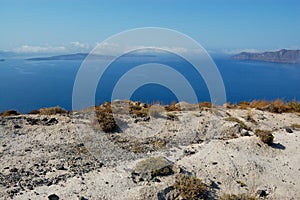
(27, 85)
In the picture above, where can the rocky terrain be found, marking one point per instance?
(67, 156)
(282, 56)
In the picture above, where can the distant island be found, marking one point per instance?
(82, 56)
(77, 56)
(281, 56)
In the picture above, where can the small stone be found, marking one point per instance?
(245, 133)
(189, 152)
(60, 167)
(289, 130)
(53, 197)
(214, 163)
(261, 193)
(146, 119)
(152, 167)
(30, 187)
(17, 126)
(13, 169)
(82, 198)
(52, 121)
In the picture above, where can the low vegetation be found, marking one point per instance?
(9, 113)
(172, 116)
(276, 106)
(34, 112)
(172, 107)
(250, 118)
(106, 121)
(205, 105)
(241, 124)
(295, 126)
(190, 187)
(52, 111)
(237, 197)
(265, 136)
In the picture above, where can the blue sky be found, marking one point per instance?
(73, 25)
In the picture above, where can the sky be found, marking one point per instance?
(223, 25)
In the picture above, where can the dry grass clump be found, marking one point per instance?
(52, 111)
(244, 105)
(295, 126)
(106, 121)
(9, 113)
(265, 136)
(172, 107)
(205, 105)
(105, 118)
(250, 118)
(237, 197)
(138, 111)
(172, 116)
(230, 106)
(276, 106)
(293, 106)
(241, 124)
(34, 112)
(190, 187)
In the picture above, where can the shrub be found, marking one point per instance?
(205, 105)
(293, 106)
(265, 136)
(237, 197)
(230, 106)
(243, 105)
(190, 187)
(52, 111)
(172, 107)
(9, 113)
(106, 121)
(34, 112)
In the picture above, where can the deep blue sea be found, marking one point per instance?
(28, 85)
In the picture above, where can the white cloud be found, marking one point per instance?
(80, 45)
(39, 49)
(71, 47)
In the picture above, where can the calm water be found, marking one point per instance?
(28, 85)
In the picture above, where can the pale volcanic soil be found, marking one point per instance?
(65, 156)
